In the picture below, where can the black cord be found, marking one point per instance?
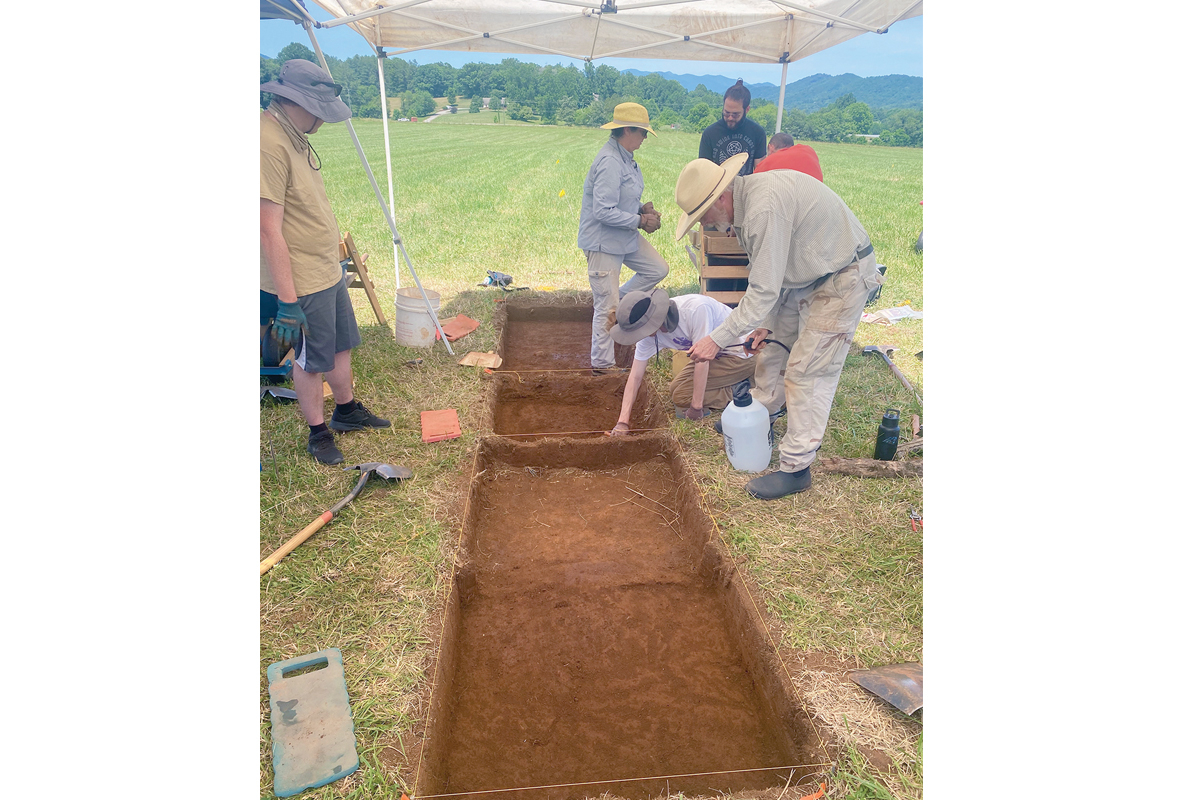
(750, 343)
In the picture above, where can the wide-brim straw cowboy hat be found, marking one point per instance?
(630, 115)
(311, 88)
(700, 184)
(640, 314)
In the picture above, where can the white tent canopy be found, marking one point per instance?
(745, 31)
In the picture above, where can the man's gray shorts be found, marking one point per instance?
(331, 327)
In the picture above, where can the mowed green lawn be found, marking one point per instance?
(838, 568)
(471, 197)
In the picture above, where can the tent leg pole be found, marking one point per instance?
(782, 89)
(387, 150)
(379, 196)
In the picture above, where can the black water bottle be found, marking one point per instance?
(888, 436)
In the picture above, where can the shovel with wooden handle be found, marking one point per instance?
(389, 471)
(882, 352)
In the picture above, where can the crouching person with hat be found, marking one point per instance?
(609, 223)
(655, 322)
(298, 257)
(812, 266)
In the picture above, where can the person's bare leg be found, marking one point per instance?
(341, 378)
(311, 394)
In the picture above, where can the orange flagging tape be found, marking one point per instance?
(814, 796)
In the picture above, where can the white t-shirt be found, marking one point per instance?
(699, 315)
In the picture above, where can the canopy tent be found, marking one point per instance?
(743, 31)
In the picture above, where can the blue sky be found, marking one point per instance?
(897, 52)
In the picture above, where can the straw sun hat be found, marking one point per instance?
(630, 115)
(700, 184)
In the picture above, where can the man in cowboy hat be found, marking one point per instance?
(609, 224)
(298, 257)
(811, 269)
(654, 322)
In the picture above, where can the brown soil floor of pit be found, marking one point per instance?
(590, 647)
(581, 406)
(551, 338)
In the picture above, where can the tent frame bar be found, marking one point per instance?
(483, 34)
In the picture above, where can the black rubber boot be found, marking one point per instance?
(774, 485)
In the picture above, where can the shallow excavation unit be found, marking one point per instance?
(597, 637)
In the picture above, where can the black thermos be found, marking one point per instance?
(888, 436)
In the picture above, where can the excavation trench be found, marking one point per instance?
(597, 638)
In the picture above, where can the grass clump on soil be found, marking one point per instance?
(837, 570)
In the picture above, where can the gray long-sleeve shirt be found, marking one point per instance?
(795, 230)
(612, 197)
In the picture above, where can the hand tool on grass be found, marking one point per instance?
(914, 518)
(883, 352)
(389, 471)
(899, 684)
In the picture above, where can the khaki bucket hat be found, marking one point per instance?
(310, 87)
(640, 314)
(630, 115)
(700, 184)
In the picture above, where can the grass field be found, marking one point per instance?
(838, 567)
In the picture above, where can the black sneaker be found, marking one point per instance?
(357, 420)
(778, 484)
(323, 448)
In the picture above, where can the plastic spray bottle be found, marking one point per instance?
(746, 426)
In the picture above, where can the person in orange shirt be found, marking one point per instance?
(784, 153)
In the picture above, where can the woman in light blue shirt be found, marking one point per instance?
(612, 214)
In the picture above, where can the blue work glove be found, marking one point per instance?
(288, 321)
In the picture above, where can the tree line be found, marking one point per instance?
(567, 95)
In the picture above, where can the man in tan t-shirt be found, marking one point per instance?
(299, 254)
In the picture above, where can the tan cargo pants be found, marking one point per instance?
(817, 322)
(604, 273)
(723, 373)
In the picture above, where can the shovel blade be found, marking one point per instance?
(391, 471)
(899, 684)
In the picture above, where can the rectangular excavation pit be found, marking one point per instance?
(596, 635)
(549, 337)
(534, 406)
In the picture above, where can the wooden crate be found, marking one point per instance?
(723, 265)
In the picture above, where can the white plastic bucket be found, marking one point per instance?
(414, 326)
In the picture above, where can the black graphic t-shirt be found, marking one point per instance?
(718, 142)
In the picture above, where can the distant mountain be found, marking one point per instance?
(714, 83)
(882, 93)
(814, 92)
